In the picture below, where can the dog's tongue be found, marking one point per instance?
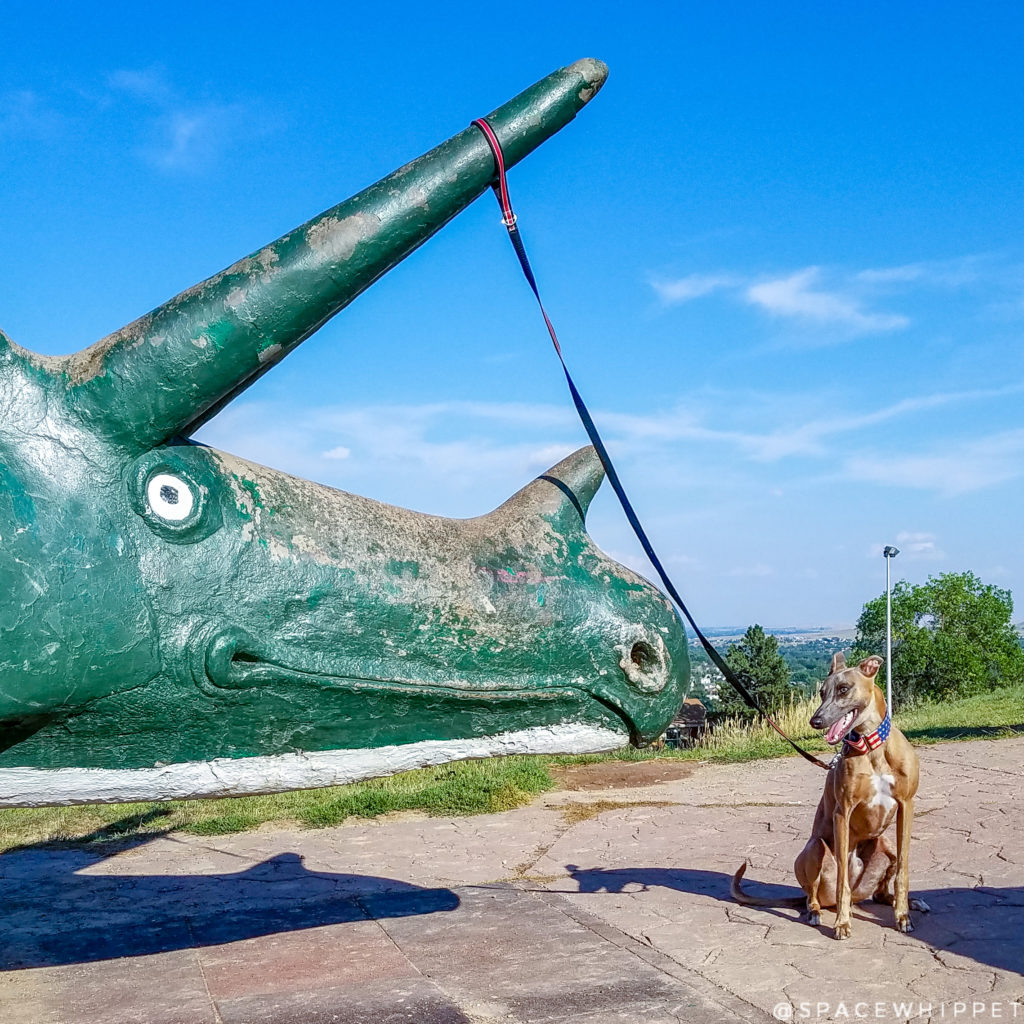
(837, 729)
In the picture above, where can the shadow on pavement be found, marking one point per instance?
(54, 912)
(985, 923)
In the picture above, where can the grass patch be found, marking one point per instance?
(479, 787)
(468, 787)
(996, 715)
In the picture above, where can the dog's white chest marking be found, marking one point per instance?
(882, 795)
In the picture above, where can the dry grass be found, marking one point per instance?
(736, 738)
(584, 810)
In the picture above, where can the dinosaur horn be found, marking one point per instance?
(174, 368)
(564, 492)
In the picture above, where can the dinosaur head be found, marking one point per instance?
(171, 603)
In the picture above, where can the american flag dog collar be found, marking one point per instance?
(857, 744)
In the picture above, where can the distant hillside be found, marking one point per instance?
(807, 653)
(788, 634)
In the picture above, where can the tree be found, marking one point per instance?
(952, 637)
(761, 668)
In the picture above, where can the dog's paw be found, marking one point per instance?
(903, 923)
(842, 931)
(814, 918)
(916, 904)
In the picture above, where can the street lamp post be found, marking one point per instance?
(890, 553)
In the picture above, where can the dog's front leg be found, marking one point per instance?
(901, 887)
(841, 836)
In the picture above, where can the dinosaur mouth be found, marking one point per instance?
(232, 662)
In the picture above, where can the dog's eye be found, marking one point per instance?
(170, 497)
(843, 691)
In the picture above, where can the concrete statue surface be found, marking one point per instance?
(178, 622)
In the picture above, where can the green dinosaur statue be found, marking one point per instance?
(178, 622)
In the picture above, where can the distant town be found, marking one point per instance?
(808, 651)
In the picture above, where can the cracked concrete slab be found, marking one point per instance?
(535, 915)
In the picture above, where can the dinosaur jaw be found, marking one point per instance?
(234, 661)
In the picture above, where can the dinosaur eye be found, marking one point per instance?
(177, 492)
(170, 497)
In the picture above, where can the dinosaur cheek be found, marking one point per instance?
(170, 497)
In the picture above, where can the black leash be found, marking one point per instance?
(509, 220)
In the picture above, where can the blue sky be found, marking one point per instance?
(783, 248)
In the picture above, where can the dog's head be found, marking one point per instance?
(847, 695)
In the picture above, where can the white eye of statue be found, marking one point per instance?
(170, 497)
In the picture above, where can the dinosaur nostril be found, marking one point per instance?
(645, 665)
(644, 656)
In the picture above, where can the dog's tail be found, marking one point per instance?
(800, 902)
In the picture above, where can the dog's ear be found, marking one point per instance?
(838, 663)
(870, 666)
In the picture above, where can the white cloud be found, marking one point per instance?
(466, 448)
(919, 545)
(951, 470)
(830, 297)
(796, 296)
(462, 449)
(684, 561)
(192, 139)
(683, 289)
(802, 439)
(952, 273)
(183, 136)
(891, 275)
(914, 546)
(808, 438)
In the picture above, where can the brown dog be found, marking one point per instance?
(873, 779)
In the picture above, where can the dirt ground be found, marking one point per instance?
(620, 774)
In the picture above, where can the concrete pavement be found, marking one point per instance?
(591, 905)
